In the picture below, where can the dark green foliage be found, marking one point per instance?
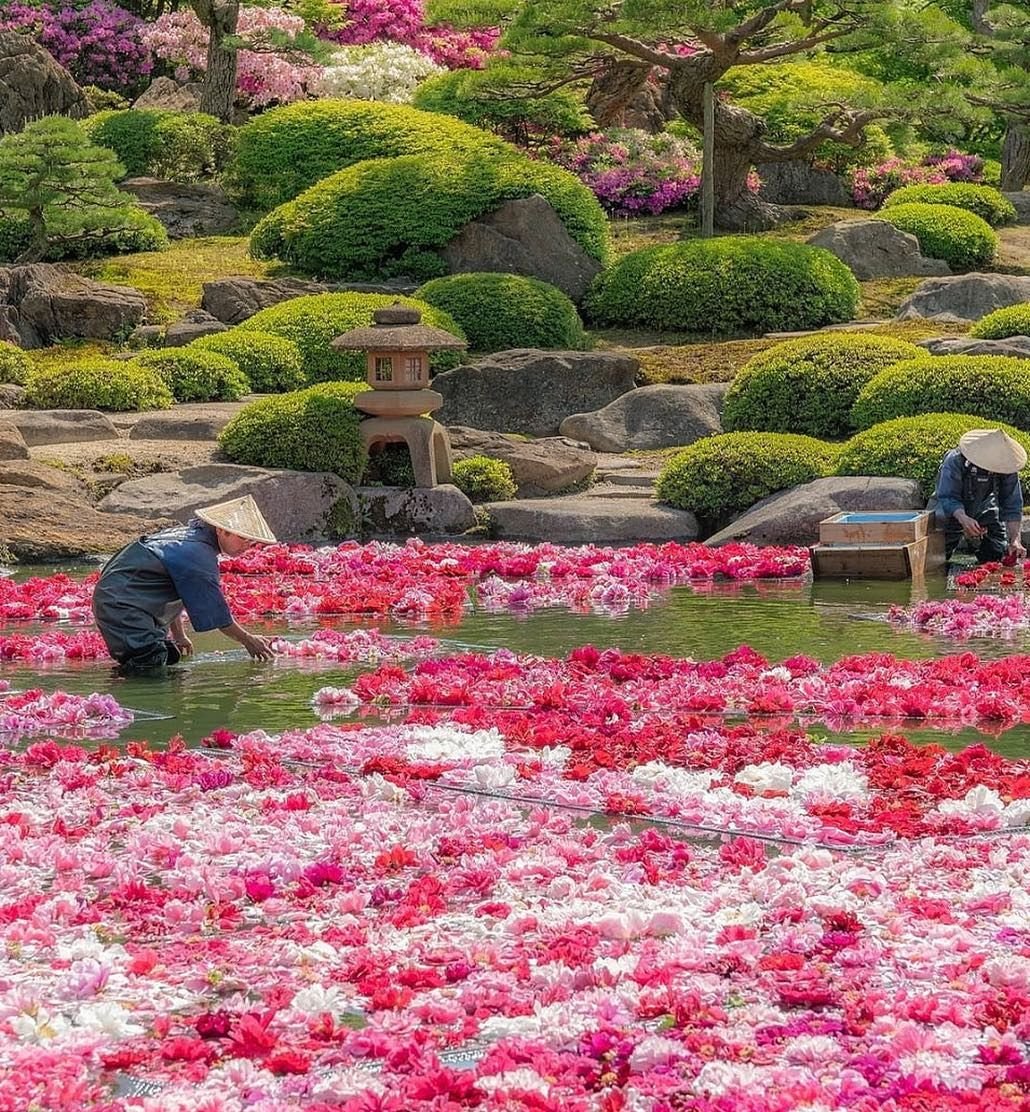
(501, 311)
(1013, 320)
(809, 385)
(484, 479)
(720, 476)
(994, 387)
(287, 150)
(197, 376)
(308, 430)
(14, 364)
(732, 284)
(272, 364)
(987, 203)
(962, 239)
(389, 465)
(97, 383)
(314, 321)
(388, 216)
(179, 146)
(913, 447)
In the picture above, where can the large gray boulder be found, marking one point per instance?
(523, 237)
(33, 84)
(60, 426)
(437, 511)
(793, 516)
(965, 297)
(531, 391)
(1017, 347)
(233, 300)
(664, 416)
(876, 249)
(539, 466)
(169, 95)
(199, 421)
(41, 304)
(580, 520)
(12, 443)
(298, 505)
(185, 210)
(797, 182)
(196, 324)
(1021, 203)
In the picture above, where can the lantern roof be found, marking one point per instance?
(398, 328)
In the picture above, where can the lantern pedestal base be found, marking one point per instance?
(427, 441)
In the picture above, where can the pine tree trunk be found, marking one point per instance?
(1015, 157)
(612, 92)
(219, 92)
(37, 245)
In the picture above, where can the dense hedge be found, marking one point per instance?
(281, 153)
(271, 363)
(179, 146)
(501, 311)
(719, 476)
(987, 203)
(197, 376)
(484, 479)
(733, 284)
(1013, 320)
(913, 447)
(316, 429)
(142, 232)
(809, 385)
(388, 216)
(97, 384)
(314, 321)
(962, 239)
(14, 364)
(994, 387)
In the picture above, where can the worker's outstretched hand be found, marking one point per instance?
(184, 645)
(260, 648)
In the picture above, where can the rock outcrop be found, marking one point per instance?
(185, 210)
(233, 300)
(876, 249)
(797, 182)
(580, 520)
(167, 94)
(33, 84)
(1017, 347)
(60, 426)
(439, 511)
(539, 467)
(965, 297)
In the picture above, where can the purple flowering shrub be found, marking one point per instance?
(98, 42)
(631, 172)
(871, 186)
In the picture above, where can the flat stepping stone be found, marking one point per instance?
(579, 519)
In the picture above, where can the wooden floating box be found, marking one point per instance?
(902, 545)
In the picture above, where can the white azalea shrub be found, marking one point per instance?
(385, 71)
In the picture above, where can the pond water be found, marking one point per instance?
(827, 620)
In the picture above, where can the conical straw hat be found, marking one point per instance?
(993, 450)
(240, 516)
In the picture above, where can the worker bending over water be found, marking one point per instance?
(144, 589)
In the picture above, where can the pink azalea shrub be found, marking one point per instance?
(871, 185)
(98, 42)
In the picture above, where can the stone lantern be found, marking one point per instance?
(398, 347)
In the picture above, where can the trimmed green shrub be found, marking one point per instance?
(314, 321)
(484, 479)
(913, 447)
(994, 387)
(987, 203)
(733, 284)
(316, 429)
(501, 311)
(809, 385)
(197, 376)
(962, 239)
(281, 153)
(14, 364)
(179, 146)
(271, 363)
(720, 476)
(388, 216)
(97, 383)
(1013, 320)
(142, 232)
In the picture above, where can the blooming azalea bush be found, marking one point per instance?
(382, 71)
(872, 185)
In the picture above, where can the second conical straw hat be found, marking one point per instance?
(240, 516)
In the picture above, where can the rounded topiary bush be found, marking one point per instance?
(281, 153)
(139, 232)
(962, 239)
(1013, 320)
(913, 447)
(484, 479)
(197, 376)
(733, 284)
(809, 385)
(501, 311)
(720, 476)
(316, 429)
(994, 387)
(112, 384)
(389, 216)
(14, 364)
(271, 363)
(989, 204)
(180, 146)
(314, 321)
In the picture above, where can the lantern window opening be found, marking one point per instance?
(413, 368)
(383, 368)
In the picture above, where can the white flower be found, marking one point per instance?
(318, 999)
(383, 71)
(838, 781)
(494, 776)
(442, 743)
(38, 1027)
(524, 1079)
(107, 1018)
(654, 1050)
(766, 777)
(980, 800)
(378, 787)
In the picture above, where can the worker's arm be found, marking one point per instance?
(179, 638)
(1010, 503)
(949, 496)
(259, 647)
